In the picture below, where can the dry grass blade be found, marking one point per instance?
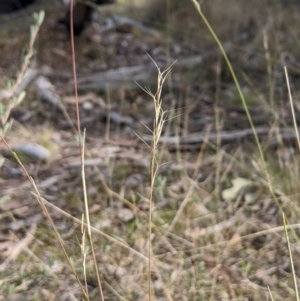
(270, 293)
(291, 257)
(46, 212)
(233, 74)
(237, 84)
(86, 206)
(81, 148)
(292, 105)
(84, 252)
(159, 120)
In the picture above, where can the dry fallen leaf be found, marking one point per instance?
(237, 185)
(235, 242)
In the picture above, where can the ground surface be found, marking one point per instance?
(217, 205)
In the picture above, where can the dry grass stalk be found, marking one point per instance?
(159, 120)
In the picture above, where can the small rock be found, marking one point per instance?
(28, 153)
(134, 180)
(87, 106)
(119, 119)
(116, 270)
(125, 215)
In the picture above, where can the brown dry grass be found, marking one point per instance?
(208, 243)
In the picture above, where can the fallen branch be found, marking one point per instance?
(196, 139)
(127, 76)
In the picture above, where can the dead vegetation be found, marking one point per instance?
(215, 230)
